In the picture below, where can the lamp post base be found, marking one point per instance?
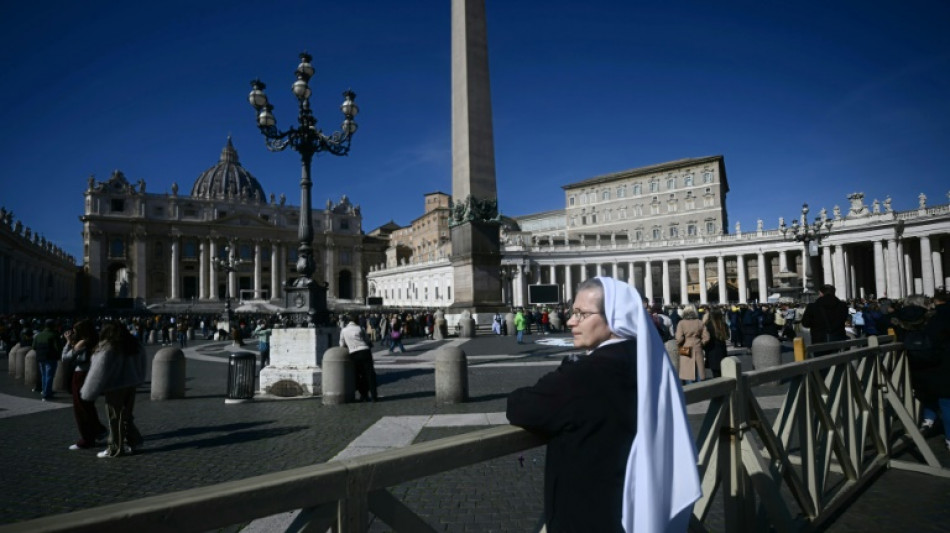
(305, 303)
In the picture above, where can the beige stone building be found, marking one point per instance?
(426, 238)
(683, 198)
(162, 250)
(35, 275)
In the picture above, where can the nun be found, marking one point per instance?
(620, 455)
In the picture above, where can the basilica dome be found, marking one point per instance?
(228, 180)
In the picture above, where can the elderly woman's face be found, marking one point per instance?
(588, 325)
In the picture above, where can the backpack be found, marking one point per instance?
(920, 347)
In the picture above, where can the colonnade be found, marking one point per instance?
(893, 267)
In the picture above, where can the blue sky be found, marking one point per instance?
(808, 101)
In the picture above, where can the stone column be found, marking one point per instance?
(926, 265)
(140, 273)
(743, 285)
(841, 282)
(893, 274)
(763, 282)
(880, 270)
(830, 275)
(908, 272)
(702, 281)
(568, 284)
(202, 270)
(330, 269)
(212, 271)
(783, 261)
(721, 273)
(175, 261)
(518, 298)
(631, 274)
(614, 272)
(666, 282)
(274, 271)
(648, 281)
(257, 270)
(537, 273)
(232, 276)
(684, 282)
(937, 263)
(359, 277)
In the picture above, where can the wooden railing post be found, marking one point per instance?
(736, 492)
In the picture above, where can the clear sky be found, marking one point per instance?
(808, 101)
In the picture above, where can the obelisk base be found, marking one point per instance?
(476, 266)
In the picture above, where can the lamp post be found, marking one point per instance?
(228, 265)
(810, 236)
(305, 299)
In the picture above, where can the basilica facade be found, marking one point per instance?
(177, 251)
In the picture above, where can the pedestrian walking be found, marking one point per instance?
(81, 340)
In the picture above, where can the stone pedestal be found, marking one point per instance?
(295, 358)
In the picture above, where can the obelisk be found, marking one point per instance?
(476, 254)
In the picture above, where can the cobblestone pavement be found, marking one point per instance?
(199, 440)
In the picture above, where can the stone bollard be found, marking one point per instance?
(63, 378)
(766, 352)
(441, 328)
(451, 376)
(466, 325)
(152, 336)
(168, 374)
(510, 323)
(674, 352)
(13, 361)
(191, 334)
(338, 377)
(21, 362)
(555, 322)
(31, 369)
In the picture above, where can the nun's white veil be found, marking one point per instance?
(662, 481)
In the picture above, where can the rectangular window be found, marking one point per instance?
(710, 228)
(344, 224)
(117, 205)
(570, 201)
(190, 250)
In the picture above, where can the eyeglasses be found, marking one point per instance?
(581, 316)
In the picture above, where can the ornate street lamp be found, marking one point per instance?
(230, 264)
(811, 237)
(305, 299)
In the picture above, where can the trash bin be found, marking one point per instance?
(241, 374)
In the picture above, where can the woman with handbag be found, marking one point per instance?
(81, 340)
(691, 335)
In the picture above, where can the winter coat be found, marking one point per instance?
(826, 317)
(110, 370)
(692, 334)
(589, 410)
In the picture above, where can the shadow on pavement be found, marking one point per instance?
(236, 437)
